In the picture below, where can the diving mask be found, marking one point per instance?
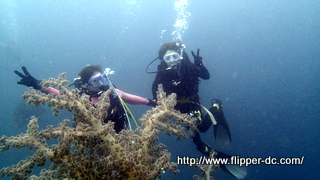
(216, 105)
(98, 80)
(171, 57)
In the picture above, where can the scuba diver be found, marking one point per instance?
(93, 82)
(179, 75)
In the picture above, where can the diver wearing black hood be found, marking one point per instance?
(178, 75)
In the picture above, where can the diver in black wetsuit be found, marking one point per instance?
(179, 75)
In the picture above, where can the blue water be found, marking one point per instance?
(263, 57)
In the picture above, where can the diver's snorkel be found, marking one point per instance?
(182, 47)
(106, 72)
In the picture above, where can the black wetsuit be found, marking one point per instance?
(115, 113)
(184, 81)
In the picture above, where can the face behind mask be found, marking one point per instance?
(172, 58)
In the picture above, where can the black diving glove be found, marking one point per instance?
(197, 58)
(152, 103)
(27, 79)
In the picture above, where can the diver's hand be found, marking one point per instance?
(197, 58)
(27, 79)
(152, 103)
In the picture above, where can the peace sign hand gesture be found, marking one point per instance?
(197, 58)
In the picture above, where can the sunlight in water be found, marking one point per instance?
(8, 20)
(10, 52)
